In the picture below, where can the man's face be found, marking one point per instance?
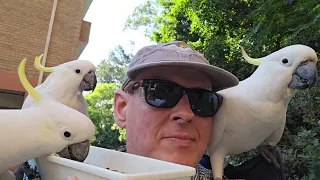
(171, 134)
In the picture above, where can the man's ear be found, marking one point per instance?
(120, 104)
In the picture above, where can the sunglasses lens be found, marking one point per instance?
(162, 94)
(204, 103)
(165, 94)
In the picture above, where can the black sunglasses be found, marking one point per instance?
(166, 94)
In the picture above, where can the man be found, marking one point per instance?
(167, 103)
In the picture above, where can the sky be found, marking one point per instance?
(107, 19)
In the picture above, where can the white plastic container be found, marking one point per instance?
(129, 167)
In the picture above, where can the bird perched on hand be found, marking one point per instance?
(253, 113)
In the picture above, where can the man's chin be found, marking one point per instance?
(183, 161)
(187, 158)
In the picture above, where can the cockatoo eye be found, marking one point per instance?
(285, 61)
(66, 133)
(78, 71)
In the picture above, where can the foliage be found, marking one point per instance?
(281, 23)
(110, 74)
(142, 17)
(112, 70)
(122, 132)
(100, 108)
(217, 28)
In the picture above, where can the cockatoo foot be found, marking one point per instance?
(270, 153)
(54, 154)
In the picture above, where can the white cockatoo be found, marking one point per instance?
(253, 113)
(65, 83)
(44, 129)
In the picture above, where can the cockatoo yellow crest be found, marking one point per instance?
(25, 83)
(38, 65)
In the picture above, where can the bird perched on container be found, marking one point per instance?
(65, 83)
(47, 127)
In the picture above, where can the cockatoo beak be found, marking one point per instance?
(88, 82)
(77, 152)
(304, 76)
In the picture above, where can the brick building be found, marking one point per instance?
(29, 28)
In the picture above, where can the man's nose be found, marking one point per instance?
(182, 111)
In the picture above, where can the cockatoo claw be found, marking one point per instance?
(270, 153)
(55, 154)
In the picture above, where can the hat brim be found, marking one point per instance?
(220, 78)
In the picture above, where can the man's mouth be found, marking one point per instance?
(180, 140)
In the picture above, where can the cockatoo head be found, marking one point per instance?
(296, 64)
(77, 74)
(66, 128)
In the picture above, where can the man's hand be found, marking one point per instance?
(72, 178)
